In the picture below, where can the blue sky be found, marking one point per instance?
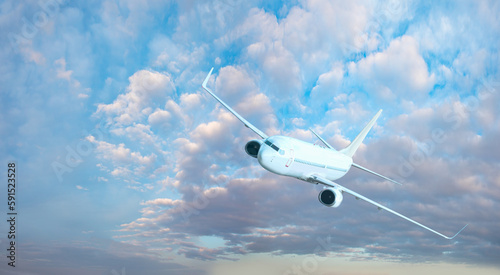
(126, 166)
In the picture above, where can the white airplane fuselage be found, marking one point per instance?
(295, 158)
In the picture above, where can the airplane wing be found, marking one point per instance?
(247, 124)
(318, 179)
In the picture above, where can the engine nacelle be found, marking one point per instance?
(252, 147)
(331, 197)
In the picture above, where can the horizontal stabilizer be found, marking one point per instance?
(375, 173)
(322, 140)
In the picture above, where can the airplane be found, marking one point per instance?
(305, 161)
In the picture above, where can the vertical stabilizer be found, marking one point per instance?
(351, 149)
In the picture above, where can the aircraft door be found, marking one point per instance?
(290, 159)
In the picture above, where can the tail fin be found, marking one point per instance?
(351, 149)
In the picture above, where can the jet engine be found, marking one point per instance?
(331, 197)
(252, 147)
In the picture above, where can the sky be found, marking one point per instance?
(126, 166)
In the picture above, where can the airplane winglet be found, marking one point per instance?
(450, 238)
(204, 85)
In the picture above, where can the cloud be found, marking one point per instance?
(317, 32)
(398, 71)
(145, 87)
(208, 210)
(122, 158)
(62, 72)
(190, 101)
(139, 133)
(238, 89)
(159, 117)
(97, 256)
(234, 83)
(328, 84)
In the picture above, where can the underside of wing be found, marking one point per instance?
(247, 124)
(327, 182)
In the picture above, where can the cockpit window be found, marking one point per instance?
(276, 148)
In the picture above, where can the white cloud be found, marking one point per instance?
(473, 65)
(81, 188)
(61, 71)
(159, 117)
(256, 104)
(234, 83)
(190, 101)
(145, 87)
(187, 146)
(298, 121)
(238, 89)
(328, 84)
(138, 132)
(74, 85)
(178, 59)
(121, 172)
(399, 71)
(321, 31)
(279, 66)
(161, 202)
(123, 159)
(174, 116)
(351, 112)
(267, 48)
